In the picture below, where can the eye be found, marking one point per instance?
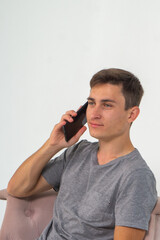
(107, 105)
(90, 103)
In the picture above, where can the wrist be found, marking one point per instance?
(52, 148)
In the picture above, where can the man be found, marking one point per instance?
(105, 189)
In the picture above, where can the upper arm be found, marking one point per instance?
(132, 209)
(128, 233)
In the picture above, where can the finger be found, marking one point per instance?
(81, 131)
(59, 125)
(67, 117)
(71, 112)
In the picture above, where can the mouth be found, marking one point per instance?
(95, 125)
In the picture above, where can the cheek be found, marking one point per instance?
(88, 114)
(120, 122)
(116, 119)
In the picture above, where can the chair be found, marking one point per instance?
(25, 218)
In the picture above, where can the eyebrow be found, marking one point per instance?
(103, 100)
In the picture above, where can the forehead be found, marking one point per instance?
(102, 91)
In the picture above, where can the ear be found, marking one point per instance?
(133, 114)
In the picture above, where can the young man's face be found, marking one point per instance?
(106, 115)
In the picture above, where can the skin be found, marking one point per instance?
(108, 121)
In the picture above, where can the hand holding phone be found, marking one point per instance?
(71, 128)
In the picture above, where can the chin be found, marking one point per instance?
(96, 135)
(101, 136)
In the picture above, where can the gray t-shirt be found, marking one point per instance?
(92, 199)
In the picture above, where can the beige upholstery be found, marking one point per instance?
(154, 226)
(26, 218)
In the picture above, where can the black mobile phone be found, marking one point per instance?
(71, 128)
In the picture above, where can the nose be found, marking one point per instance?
(95, 112)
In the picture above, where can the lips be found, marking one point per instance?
(95, 125)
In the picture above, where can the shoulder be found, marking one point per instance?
(78, 151)
(136, 194)
(83, 146)
(136, 174)
(134, 165)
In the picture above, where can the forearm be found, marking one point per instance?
(28, 174)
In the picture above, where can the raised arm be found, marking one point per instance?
(27, 180)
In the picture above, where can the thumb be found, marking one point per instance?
(76, 137)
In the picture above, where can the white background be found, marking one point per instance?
(50, 49)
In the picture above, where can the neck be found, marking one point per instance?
(110, 150)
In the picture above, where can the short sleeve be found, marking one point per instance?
(54, 169)
(136, 199)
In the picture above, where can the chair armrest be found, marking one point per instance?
(154, 225)
(3, 194)
(26, 218)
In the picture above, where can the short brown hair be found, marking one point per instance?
(131, 87)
